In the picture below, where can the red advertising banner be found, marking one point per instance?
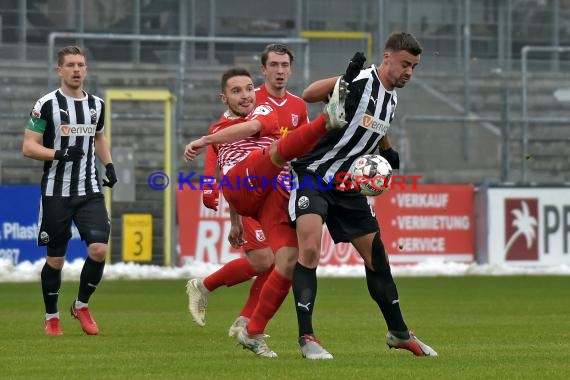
(430, 221)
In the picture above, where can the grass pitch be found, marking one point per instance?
(482, 328)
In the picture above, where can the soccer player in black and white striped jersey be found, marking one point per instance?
(370, 108)
(65, 131)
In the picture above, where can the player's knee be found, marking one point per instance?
(261, 259)
(55, 262)
(97, 251)
(274, 155)
(309, 255)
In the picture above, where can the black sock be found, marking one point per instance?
(51, 283)
(305, 293)
(91, 275)
(383, 290)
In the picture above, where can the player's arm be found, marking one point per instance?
(210, 194)
(33, 148)
(103, 153)
(386, 151)
(235, 236)
(230, 134)
(319, 91)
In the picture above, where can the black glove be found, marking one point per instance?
(354, 66)
(71, 153)
(110, 174)
(392, 157)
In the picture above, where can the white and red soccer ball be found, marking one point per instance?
(371, 174)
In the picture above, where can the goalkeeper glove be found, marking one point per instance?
(392, 157)
(210, 197)
(110, 174)
(71, 153)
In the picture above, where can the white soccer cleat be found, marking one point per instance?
(239, 324)
(336, 115)
(413, 344)
(197, 301)
(255, 343)
(311, 348)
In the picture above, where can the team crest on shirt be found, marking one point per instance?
(259, 235)
(294, 119)
(93, 114)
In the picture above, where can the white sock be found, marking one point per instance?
(52, 316)
(80, 305)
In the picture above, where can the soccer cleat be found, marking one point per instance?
(255, 343)
(88, 324)
(52, 327)
(336, 115)
(311, 348)
(197, 301)
(413, 344)
(238, 325)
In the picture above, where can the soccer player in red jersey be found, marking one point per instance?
(276, 63)
(251, 155)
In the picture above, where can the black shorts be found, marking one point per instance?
(348, 214)
(88, 212)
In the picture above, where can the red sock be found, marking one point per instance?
(302, 140)
(254, 291)
(234, 272)
(271, 297)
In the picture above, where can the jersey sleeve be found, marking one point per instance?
(39, 117)
(268, 118)
(101, 121)
(210, 162)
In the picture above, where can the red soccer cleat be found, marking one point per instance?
(52, 327)
(87, 322)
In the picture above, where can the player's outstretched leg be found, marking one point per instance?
(413, 344)
(197, 300)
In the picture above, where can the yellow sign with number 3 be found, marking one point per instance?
(137, 237)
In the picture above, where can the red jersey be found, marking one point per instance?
(232, 153)
(292, 113)
(292, 110)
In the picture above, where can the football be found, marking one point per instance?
(371, 174)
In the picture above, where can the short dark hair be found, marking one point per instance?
(278, 49)
(233, 72)
(68, 50)
(398, 41)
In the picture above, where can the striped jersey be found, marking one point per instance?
(229, 154)
(336, 151)
(65, 121)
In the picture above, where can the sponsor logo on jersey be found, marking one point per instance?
(375, 125)
(77, 130)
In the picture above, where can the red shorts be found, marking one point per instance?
(248, 182)
(253, 235)
(250, 194)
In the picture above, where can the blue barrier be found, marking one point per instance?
(19, 214)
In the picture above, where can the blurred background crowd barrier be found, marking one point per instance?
(488, 104)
